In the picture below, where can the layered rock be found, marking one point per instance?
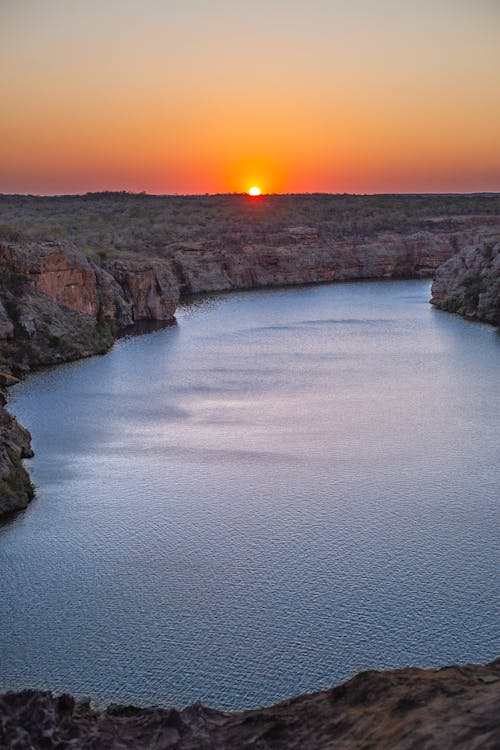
(300, 257)
(150, 287)
(56, 306)
(404, 709)
(59, 270)
(125, 291)
(469, 283)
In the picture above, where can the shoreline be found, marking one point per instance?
(56, 305)
(400, 709)
(120, 713)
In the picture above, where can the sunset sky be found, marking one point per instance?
(216, 95)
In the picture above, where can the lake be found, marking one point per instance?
(286, 487)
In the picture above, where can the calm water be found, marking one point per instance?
(283, 489)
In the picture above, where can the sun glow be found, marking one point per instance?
(254, 191)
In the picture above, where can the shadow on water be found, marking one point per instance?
(145, 326)
(10, 518)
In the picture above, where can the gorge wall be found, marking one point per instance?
(469, 283)
(57, 305)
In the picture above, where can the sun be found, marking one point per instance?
(254, 191)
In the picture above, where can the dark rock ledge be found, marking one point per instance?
(408, 709)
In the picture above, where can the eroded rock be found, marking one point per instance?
(402, 709)
(469, 283)
(16, 489)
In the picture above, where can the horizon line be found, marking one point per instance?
(144, 193)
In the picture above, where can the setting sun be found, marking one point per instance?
(254, 191)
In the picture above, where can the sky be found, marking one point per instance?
(213, 96)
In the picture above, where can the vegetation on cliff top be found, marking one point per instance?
(106, 223)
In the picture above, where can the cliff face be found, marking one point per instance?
(151, 288)
(405, 709)
(55, 306)
(60, 271)
(16, 489)
(126, 292)
(299, 257)
(469, 283)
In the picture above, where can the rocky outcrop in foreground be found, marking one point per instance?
(469, 283)
(404, 709)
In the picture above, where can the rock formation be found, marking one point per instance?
(404, 709)
(469, 283)
(16, 489)
(149, 287)
(56, 306)
(301, 258)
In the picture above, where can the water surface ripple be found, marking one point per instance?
(285, 488)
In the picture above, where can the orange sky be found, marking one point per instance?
(215, 96)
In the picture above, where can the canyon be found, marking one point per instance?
(57, 304)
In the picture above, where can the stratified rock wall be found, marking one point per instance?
(300, 258)
(404, 709)
(127, 290)
(55, 306)
(150, 287)
(59, 270)
(469, 283)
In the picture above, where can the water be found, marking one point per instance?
(285, 488)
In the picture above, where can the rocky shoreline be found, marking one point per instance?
(469, 283)
(444, 709)
(57, 305)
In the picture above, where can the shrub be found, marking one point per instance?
(9, 234)
(473, 286)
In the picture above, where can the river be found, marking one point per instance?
(286, 487)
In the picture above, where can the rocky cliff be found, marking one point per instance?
(469, 283)
(297, 255)
(57, 305)
(16, 489)
(404, 709)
